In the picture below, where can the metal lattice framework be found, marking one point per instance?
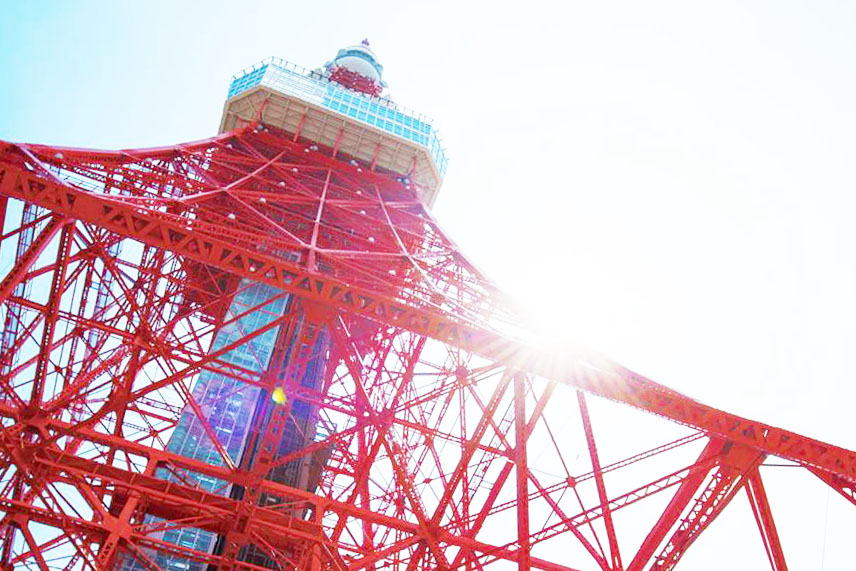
(440, 440)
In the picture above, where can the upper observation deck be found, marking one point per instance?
(315, 106)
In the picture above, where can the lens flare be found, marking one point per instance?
(278, 396)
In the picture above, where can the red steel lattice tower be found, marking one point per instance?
(260, 351)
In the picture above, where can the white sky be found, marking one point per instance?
(670, 183)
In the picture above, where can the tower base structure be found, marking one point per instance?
(149, 295)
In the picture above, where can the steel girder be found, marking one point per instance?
(431, 399)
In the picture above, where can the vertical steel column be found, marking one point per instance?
(764, 519)
(598, 478)
(521, 435)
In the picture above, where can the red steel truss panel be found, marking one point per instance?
(449, 442)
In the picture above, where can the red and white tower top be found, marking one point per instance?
(356, 67)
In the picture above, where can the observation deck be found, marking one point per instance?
(372, 130)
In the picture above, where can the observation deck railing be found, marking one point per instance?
(315, 88)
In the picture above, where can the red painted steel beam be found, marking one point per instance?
(682, 498)
(601, 488)
(58, 286)
(24, 263)
(725, 482)
(177, 502)
(846, 488)
(521, 469)
(587, 516)
(541, 492)
(34, 546)
(764, 519)
(470, 446)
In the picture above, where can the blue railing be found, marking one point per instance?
(314, 88)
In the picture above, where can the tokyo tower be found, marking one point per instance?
(261, 351)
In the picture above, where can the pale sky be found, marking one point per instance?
(670, 183)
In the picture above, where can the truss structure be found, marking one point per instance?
(439, 438)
